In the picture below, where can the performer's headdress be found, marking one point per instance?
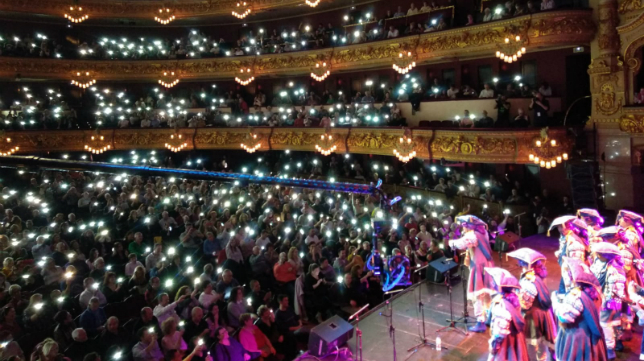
(611, 234)
(471, 220)
(527, 255)
(636, 219)
(568, 221)
(605, 249)
(502, 278)
(589, 214)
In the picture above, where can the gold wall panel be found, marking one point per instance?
(543, 30)
(479, 146)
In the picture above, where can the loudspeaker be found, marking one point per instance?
(332, 333)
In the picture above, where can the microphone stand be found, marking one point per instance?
(421, 308)
(358, 331)
(466, 315)
(392, 329)
(452, 321)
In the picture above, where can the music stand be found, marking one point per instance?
(504, 242)
(444, 265)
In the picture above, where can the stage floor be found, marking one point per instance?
(377, 344)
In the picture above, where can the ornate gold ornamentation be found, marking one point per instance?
(605, 101)
(561, 26)
(479, 145)
(632, 123)
(554, 28)
(630, 5)
(372, 141)
(220, 139)
(294, 138)
(488, 146)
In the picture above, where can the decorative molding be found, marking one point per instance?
(480, 146)
(543, 30)
(632, 123)
(627, 6)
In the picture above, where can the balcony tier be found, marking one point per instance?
(547, 30)
(474, 145)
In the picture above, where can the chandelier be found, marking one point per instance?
(321, 71)
(512, 49)
(165, 16)
(326, 145)
(404, 62)
(76, 14)
(245, 77)
(313, 3)
(238, 13)
(83, 81)
(97, 144)
(10, 149)
(168, 79)
(547, 152)
(252, 138)
(404, 148)
(176, 142)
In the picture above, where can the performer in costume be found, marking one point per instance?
(573, 241)
(609, 270)
(580, 337)
(633, 225)
(632, 264)
(507, 341)
(536, 305)
(593, 219)
(476, 241)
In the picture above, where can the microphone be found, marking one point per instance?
(421, 268)
(393, 292)
(358, 312)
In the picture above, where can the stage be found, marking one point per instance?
(377, 345)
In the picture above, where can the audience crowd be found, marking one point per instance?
(117, 266)
(201, 107)
(369, 26)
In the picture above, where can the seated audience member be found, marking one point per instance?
(521, 120)
(147, 349)
(485, 122)
(253, 339)
(93, 318)
(487, 92)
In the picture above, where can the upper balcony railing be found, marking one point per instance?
(541, 30)
(473, 145)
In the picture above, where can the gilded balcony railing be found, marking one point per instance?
(543, 31)
(475, 145)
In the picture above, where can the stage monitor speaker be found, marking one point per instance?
(437, 269)
(505, 240)
(332, 333)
